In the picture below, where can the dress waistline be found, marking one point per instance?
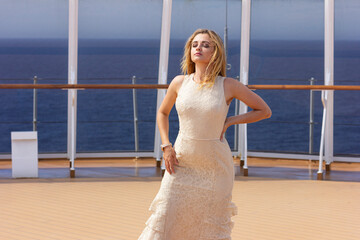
(198, 139)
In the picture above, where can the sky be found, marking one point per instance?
(270, 19)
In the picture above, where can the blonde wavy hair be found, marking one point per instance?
(217, 64)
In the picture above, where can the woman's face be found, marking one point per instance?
(201, 49)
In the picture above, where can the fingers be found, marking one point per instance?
(170, 161)
(167, 166)
(223, 131)
(172, 168)
(222, 135)
(170, 165)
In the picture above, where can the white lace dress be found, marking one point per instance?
(194, 203)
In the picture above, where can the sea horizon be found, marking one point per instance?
(105, 116)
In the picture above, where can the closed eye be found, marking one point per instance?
(203, 44)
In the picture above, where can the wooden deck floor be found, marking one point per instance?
(145, 167)
(109, 199)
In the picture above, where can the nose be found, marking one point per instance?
(198, 47)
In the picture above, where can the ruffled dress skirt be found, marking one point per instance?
(194, 203)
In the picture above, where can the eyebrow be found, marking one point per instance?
(202, 41)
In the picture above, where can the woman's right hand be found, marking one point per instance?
(170, 159)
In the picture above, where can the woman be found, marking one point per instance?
(194, 200)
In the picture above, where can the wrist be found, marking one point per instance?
(164, 146)
(228, 122)
(167, 148)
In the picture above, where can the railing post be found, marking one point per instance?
(163, 71)
(135, 117)
(244, 76)
(311, 122)
(329, 28)
(72, 79)
(35, 105)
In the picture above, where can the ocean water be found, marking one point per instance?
(105, 117)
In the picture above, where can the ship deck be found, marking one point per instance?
(109, 199)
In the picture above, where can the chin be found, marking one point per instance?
(199, 61)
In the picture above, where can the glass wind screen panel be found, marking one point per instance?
(105, 120)
(52, 120)
(347, 72)
(16, 115)
(286, 44)
(117, 40)
(286, 133)
(110, 124)
(146, 111)
(187, 16)
(286, 47)
(289, 137)
(233, 58)
(33, 42)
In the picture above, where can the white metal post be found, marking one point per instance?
(322, 138)
(72, 79)
(244, 75)
(329, 79)
(163, 67)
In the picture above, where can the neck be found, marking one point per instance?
(199, 72)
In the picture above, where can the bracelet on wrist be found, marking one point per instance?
(163, 146)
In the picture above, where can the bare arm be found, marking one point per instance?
(260, 110)
(162, 119)
(163, 113)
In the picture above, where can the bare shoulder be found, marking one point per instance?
(178, 79)
(176, 83)
(230, 81)
(232, 84)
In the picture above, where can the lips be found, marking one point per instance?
(197, 54)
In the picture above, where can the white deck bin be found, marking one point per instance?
(24, 154)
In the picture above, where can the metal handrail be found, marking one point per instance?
(79, 79)
(153, 120)
(83, 86)
(164, 86)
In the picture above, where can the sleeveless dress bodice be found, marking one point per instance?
(202, 111)
(194, 203)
